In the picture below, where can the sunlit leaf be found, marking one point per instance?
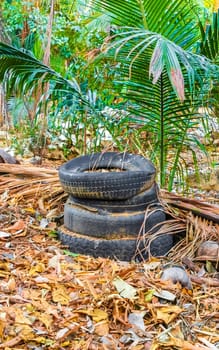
(165, 313)
(60, 295)
(46, 319)
(102, 328)
(36, 269)
(124, 289)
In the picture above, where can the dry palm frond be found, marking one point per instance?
(169, 227)
(34, 185)
(26, 170)
(191, 229)
(198, 207)
(198, 230)
(26, 182)
(22, 183)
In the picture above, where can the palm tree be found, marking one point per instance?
(3, 103)
(24, 75)
(158, 39)
(150, 39)
(210, 48)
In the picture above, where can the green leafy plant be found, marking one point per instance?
(155, 70)
(209, 47)
(154, 40)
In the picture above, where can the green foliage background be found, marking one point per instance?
(138, 71)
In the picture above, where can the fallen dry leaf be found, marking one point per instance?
(176, 343)
(101, 328)
(53, 299)
(165, 313)
(96, 314)
(125, 290)
(46, 319)
(36, 269)
(18, 226)
(60, 295)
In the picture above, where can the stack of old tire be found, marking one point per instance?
(109, 195)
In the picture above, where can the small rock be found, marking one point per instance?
(208, 250)
(36, 160)
(177, 274)
(5, 157)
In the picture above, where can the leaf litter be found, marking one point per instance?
(51, 298)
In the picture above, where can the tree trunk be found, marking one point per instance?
(43, 90)
(46, 57)
(4, 117)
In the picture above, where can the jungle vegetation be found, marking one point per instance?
(140, 74)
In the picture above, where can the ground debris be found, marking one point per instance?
(51, 298)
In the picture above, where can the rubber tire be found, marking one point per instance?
(122, 249)
(101, 223)
(138, 175)
(137, 203)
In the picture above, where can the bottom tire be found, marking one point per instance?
(121, 249)
(101, 223)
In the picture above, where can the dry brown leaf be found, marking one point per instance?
(4, 266)
(35, 270)
(102, 328)
(8, 286)
(2, 328)
(60, 295)
(165, 313)
(42, 205)
(176, 343)
(26, 332)
(96, 314)
(176, 332)
(38, 238)
(17, 227)
(46, 319)
(20, 317)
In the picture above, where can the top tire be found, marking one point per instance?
(126, 176)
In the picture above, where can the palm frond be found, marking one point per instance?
(169, 18)
(21, 71)
(210, 36)
(154, 104)
(140, 45)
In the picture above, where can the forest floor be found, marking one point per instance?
(51, 298)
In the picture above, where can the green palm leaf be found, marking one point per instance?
(157, 54)
(157, 109)
(209, 45)
(155, 40)
(170, 18)
(21, 71)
